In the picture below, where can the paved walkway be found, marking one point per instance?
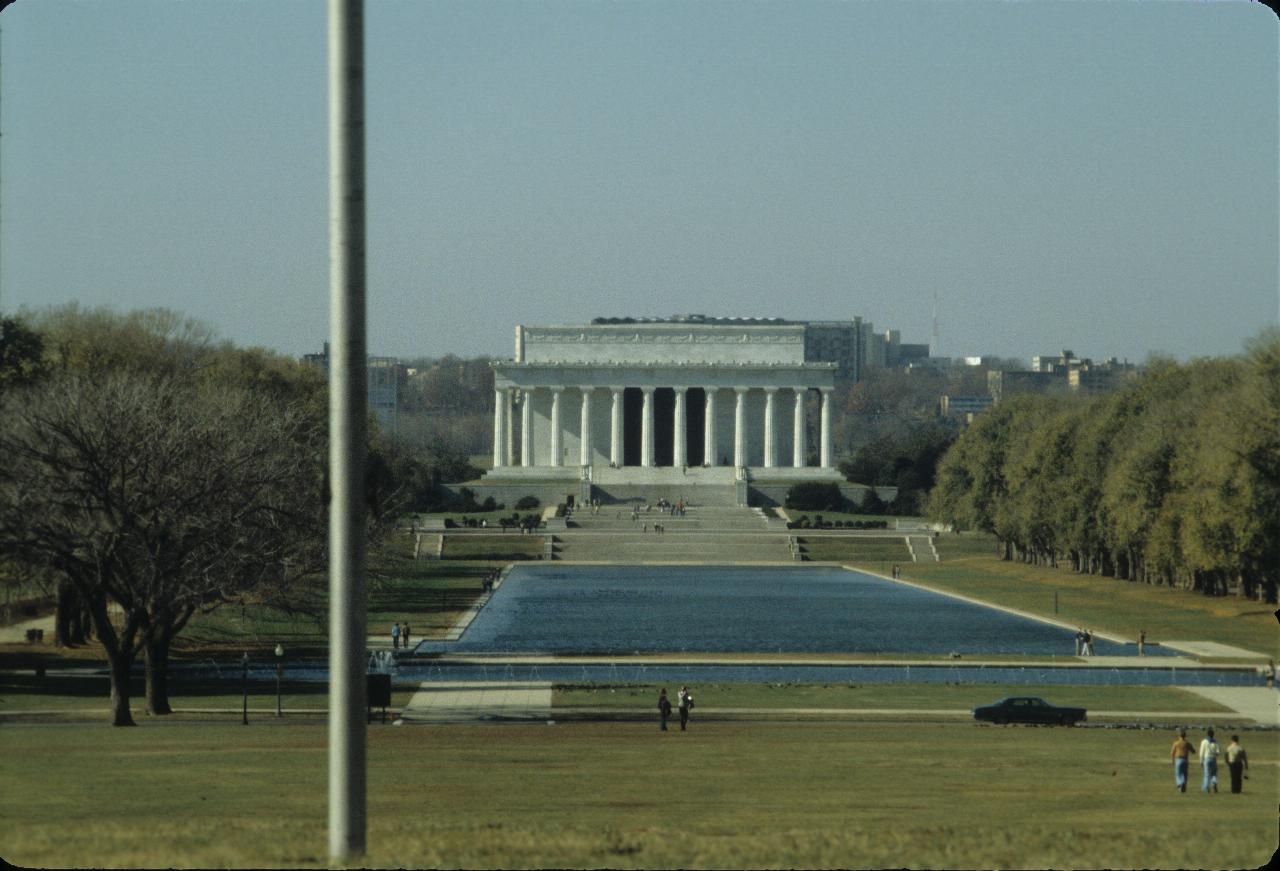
(480, 700)
(1257, 703)
(1213, 648)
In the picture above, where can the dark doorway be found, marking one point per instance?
(632, 420)
(695, 413)
(664, 426)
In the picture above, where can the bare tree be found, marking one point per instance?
(156, 498)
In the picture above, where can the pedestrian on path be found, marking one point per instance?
(395, 636)
(1079, 640)
(1181, 750)
(1088, 643)
(1237, 763)
(404, 635)
(1142, 642)
(686, 705)
(664, 708)
(1209, 750)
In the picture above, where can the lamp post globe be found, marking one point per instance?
(279, 677)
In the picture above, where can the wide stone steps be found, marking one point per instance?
(615, 518)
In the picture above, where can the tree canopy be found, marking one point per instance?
(1173, 480)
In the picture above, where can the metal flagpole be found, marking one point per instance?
(347, 435)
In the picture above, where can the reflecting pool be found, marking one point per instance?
(716, 609)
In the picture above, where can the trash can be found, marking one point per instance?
(379, 690)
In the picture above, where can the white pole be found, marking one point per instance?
(348, 402)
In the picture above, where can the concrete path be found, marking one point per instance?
(466, 700)
(1258, 703)
(1214, 648)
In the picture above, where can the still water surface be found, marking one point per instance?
(656, 609)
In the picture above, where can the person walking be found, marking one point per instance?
(1237, 763)
(1181, 751)
(1088, 643)
(1079, 640)
(1209, 750)
(1142, 642)
(395, 636)
(685, 705)
(404, 635)
(664, 708)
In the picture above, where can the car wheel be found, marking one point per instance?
(999, 721)
(1067, 721)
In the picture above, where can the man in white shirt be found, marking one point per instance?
(1209, 750)
(685, 703)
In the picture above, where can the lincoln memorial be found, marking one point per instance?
(652, 408)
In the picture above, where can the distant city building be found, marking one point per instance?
(385, 376)
(1061, 373)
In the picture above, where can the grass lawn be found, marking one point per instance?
(428, 594)
(626, 795)
(855, 548)
(891, 519)
(503, 546)
(1107, 604)
(909, 697)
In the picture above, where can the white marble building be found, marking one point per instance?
(642, 403)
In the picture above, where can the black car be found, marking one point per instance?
(1024, 709)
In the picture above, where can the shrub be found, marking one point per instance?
(524, 503)
(815, 496)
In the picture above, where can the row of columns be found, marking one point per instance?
(502, 444)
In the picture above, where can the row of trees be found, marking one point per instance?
(1174, 480)
(151, 473)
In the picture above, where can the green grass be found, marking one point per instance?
(891, 519)
(85, 696)
(625, 795)
(855, 548)
(953, 546)
(1107, 604)
(907, 697)
(504, 546)
(428, 594)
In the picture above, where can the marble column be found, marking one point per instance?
(797, 451)
(646, 429)
(680, 453)
(615, 428)
(499, 428)
(556, 450)
(709, 430)
(740, 428)
(584, 440)
(770, 442)
(509, 437)
(825, 455)
(526, 428)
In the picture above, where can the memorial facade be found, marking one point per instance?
(660, 408)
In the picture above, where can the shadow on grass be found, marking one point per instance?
(16, 687)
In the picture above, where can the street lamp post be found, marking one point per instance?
(279, 676)
(244, 689)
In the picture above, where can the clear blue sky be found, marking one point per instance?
(1100, 176)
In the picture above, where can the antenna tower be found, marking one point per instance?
(935, 349)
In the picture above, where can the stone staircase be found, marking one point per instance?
(713, 486)
(712, 534)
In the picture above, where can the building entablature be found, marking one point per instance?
(802, 376)
(693, 344)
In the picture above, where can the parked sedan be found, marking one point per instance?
(1024, 709)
